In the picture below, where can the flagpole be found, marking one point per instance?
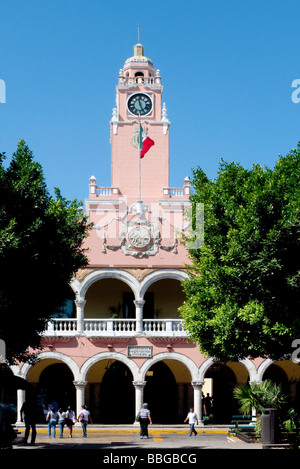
(139, 160)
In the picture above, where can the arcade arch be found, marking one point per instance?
(100, 274)
(219, 381)
(286, 373)
(52, 378)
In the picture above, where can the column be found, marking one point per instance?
(20, 401)
(80, 303)
(139, 304)
(197, 386)
(139, 396)
(80, 400)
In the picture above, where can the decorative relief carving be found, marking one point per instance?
(109, 340)
(139, 237)
(168, 340)
(51, 341)
(135, 139)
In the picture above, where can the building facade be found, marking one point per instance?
(119, 340)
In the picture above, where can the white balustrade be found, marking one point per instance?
(137, 80)
(95, 325)
(124, 325)
(103, 191)
(163, 326)
(110, 326)
(174, 191)
(63, 325)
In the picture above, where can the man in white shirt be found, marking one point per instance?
(84, 418)
(193, 419)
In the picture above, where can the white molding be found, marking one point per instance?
(263, 367)
(160, 275)
(53, 356)
(112, 273)
(188, 362)
(133, 367)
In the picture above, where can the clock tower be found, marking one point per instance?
(139, 100)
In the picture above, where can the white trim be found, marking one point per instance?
(100, 274)
(75, 285)
(250, 367)
(52, 356)
(109, 356)
(263, 367)
(204, 367)
(160, 275)
(169, 356)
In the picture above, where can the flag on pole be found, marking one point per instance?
(145, 142)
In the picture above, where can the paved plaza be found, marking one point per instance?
(122, 445)
(129, 438)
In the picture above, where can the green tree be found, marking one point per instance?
(260, 396)
(243, 290)
(40, 250)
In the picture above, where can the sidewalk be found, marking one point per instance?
(126, 437)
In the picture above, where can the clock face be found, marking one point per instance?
(139, 104)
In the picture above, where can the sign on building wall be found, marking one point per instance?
(134, 351)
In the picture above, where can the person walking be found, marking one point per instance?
(52, 418)
(144, 419)
(193, 419)
(84, 418)
(28, 409)
(70, 420)
(61, 421)
(207, 405)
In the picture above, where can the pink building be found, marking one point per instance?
(119, 340)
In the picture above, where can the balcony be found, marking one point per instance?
(115, 328)
(112, 192)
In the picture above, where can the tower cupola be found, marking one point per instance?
(138, 63)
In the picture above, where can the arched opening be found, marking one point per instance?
(52, 381)
(163, 298)
(276, 374)
(110, 393)
(56, 386)
(223, 381)
(109, 298)
(139, 74)
(168, 391)
(117, 397)
(286, 373)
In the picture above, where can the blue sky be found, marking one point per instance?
(227, 68)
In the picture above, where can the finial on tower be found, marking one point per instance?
(138, 48)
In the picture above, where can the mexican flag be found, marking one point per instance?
(145, 142)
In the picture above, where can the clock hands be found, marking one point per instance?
(140, 104)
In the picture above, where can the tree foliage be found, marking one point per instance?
(243, 291)
(260, 396)
(40, 250)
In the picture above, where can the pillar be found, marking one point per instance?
(20, 401)
(197, 386)
(139, 395)
(80, 398)
(80, 303)
(139, 305)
